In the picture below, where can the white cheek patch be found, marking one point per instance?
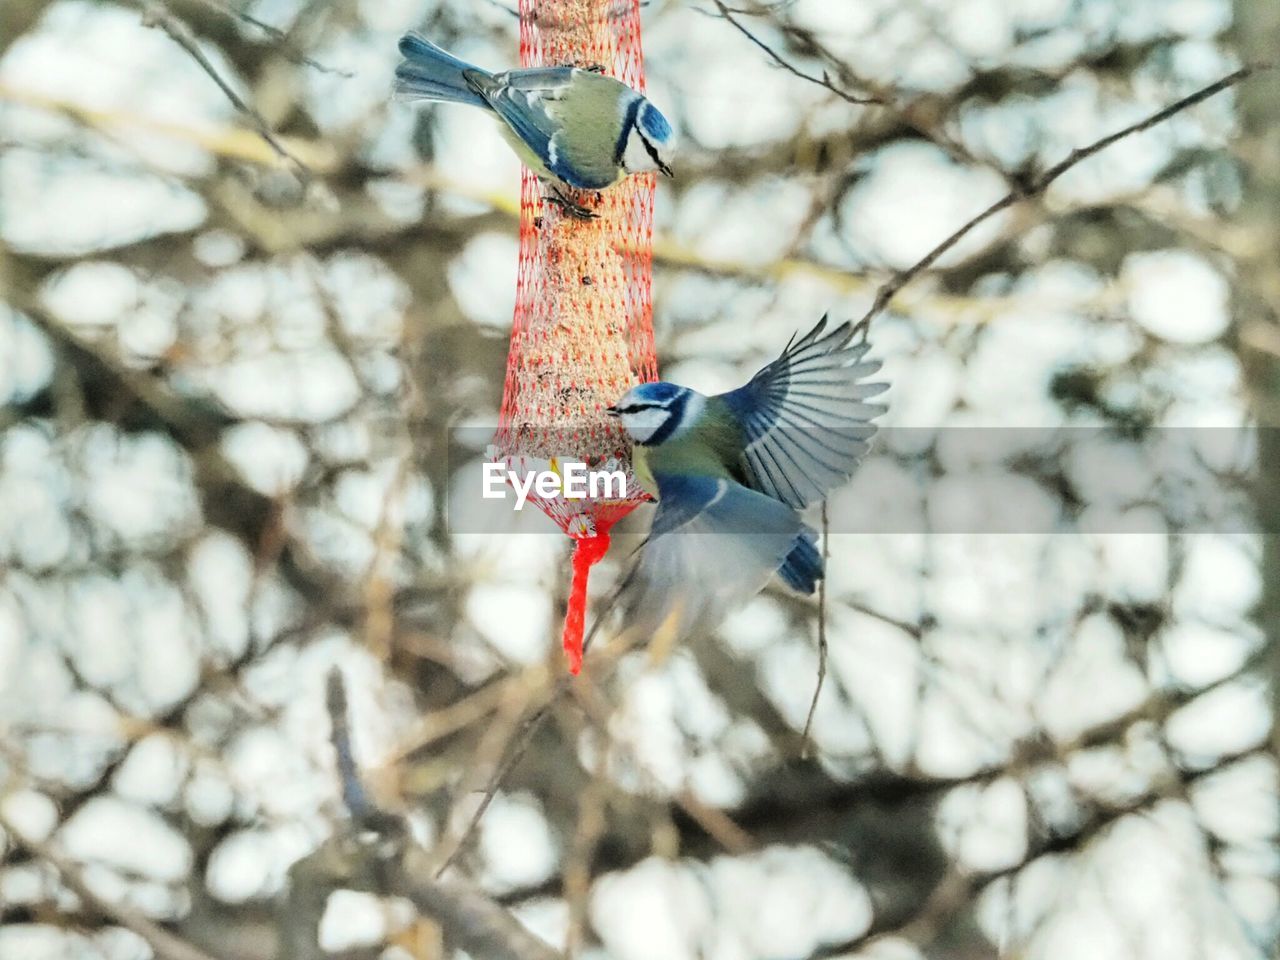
(643, 424)
(636, 158)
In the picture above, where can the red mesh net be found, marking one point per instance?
(583, 330)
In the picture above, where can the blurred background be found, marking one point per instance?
(222, 475)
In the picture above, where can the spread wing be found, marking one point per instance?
(804, 416)
(713, 544)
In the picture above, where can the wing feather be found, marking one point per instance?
(805, 417)
(533, 104)
(522, 99)
(548, 83)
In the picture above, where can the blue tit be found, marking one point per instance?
(732, 473)
(577, 127)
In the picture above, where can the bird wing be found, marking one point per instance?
(804, 417)
(534, 104)
(521, 99)
(547, 83)
(713, 545)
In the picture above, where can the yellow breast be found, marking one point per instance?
(640, 466)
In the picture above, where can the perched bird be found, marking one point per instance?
(578, 127)
(732, 472)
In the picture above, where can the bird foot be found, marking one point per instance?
(570, 206)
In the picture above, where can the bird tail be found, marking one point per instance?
(429, 72)
(803, 567)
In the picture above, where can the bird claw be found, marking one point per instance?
(570, 206)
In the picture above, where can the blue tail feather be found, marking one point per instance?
(431, 73)
(802, 569)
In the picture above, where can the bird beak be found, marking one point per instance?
(666, 170)
(611, 411)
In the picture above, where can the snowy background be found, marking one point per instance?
(221, 476)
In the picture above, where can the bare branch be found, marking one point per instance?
(283, 41)
(393, 864)
(1042, 183)
(823, 81)
(822, 633)
(959, 889)
(479, 924)
(602, 660)
(155, 15)
(515, 751)
(353, 791)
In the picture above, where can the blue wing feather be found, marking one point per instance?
(682, 500)
(531, 103)
(519, 108)
(548, 82)
(804, 416)
(520, 98)
(803, 567)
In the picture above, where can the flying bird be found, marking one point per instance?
(732, 472)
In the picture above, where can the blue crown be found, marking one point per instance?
(654, 124)
(659, 392)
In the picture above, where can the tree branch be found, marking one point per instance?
(282, 40)
(155, 15)
(383, 858)
(1042, 183)
(960, 889)
(824, 81)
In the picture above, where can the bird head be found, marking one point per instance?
(651, 142)
(654, 412)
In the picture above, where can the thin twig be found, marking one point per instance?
(489, 761)
(603, 660)
(400, 867)
(155, 15)
(822, 81)
(807, 749)
(576, 876)
(913, 630)
(282, 39)
(714, 822)
(504, 8)
(514, 754)
(456, 716)
(1040, 184)
(471, 918)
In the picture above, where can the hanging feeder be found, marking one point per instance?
(582, 334)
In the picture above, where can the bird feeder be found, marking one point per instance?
(582, 334)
